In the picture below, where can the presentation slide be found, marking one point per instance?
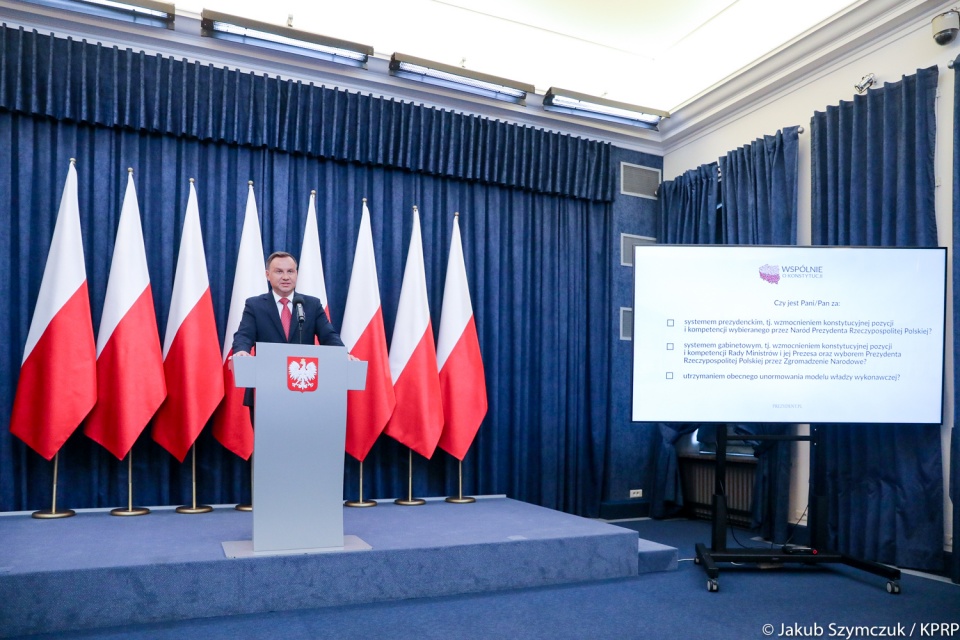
(788, 334)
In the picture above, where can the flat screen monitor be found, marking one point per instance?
(788, 334)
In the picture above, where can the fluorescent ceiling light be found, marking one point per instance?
(216, 24)
(582, 104)
(446, 75)
(149, 12)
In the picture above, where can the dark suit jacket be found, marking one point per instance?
(261, 323)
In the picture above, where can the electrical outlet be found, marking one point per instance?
(636, 493)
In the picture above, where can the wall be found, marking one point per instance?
(899, 54)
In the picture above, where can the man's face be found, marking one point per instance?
(282, 274)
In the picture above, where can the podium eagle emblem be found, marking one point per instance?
(302, 374)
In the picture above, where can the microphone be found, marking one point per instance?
(298, 303)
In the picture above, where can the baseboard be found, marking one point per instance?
(624, 509)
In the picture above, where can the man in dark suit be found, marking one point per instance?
(265, 316)
(273, 317)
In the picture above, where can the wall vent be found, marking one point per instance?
(627, 243)
(626, 323)
(639, 181)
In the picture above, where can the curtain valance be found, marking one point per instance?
(72, 80)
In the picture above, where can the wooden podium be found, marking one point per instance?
(300, 422)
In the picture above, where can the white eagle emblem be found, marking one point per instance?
(302, 375)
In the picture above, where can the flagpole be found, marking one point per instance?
(203, 508)
(248, 507)
(410, 501)
(53, 513)
(361, 502)
(460, 499)
(130, 510)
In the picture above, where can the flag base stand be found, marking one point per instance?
(248, 507)
(52, 515)
(360, 502)
(194, 507)
(460, 499)
(130, 511)
(203, 508)
(410, 501)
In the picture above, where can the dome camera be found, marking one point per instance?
(946, 26)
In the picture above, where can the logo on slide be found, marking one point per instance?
(302, 374)
(770, 273)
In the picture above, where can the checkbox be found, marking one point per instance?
(669, 375)
(670, 322)
(669, 346)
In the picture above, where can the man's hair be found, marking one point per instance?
(280, 254)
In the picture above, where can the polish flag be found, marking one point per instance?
(58, 373)
(130, 384)
(232, 426)
(418, 419)
(191, 349)
(462, 384)
(310, 280)
(369, 410)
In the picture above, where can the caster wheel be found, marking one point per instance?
(712, 585)
(893, 587)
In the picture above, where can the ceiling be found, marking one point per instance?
(654, 53)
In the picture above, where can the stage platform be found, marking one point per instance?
(97, 570)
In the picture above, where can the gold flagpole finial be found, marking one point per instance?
(73, 161)
(129, 169)
(313, 192)
(192, 180)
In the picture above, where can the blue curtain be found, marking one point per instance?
(749, 198)
(688, 215)
(955, 432)
(873, 185)
(538, 258)
(758, 192)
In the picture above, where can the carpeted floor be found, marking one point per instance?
(812, 601)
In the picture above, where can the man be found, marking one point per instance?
(265, 316)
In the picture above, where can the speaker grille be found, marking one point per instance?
(639, 181)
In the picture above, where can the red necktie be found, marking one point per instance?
(285, 316)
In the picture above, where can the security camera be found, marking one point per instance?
(946, 26)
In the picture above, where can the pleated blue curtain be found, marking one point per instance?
(536, 240)
(955, 432)
(748, 198)
(688, 215)
(758, 191)
(873, 185)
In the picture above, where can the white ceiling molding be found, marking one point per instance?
(800, 61)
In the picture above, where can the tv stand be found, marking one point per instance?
(814, 553)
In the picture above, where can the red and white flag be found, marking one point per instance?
(369, 410)
(232, 426)
(310, 280)
(191, 349)
(462, 384)
(58, 373)
(418, 418)
(130, 384)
